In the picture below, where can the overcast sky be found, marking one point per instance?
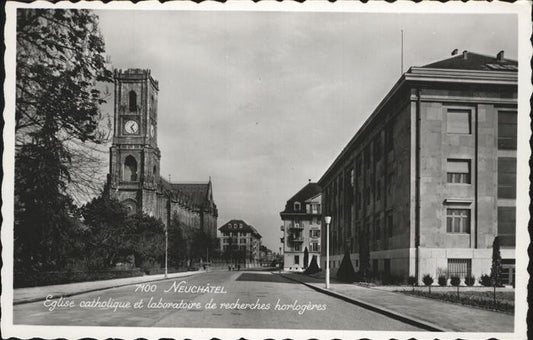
(264, 101)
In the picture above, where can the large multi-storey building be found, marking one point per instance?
(134, 160)
(429, 180)
(301, 227)
(240, 242)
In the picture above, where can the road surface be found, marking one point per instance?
(237, 299)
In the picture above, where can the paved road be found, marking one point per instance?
(278, 297)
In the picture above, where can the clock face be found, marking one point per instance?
(152, 130)
(131, 126)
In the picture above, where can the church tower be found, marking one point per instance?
(134, 155)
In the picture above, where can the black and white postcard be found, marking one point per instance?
(270, 170)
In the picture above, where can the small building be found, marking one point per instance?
(240, 243)
(301, 228)
(429, 180)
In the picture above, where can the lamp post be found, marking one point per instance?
(327, 219)
(166, 252)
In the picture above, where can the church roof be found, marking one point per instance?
(195, 194)
(198, 192)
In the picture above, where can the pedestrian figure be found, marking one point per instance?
(238, 267)
(229, 268)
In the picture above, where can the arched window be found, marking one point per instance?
(130, 169)
(133, 101)
(155, 170)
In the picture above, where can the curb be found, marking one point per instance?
(56, 296)
(375, 308)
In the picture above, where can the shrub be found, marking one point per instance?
(427, 279)
(411, 280)
(455, 281)
(485, 280)
(470, 280)
(442, 280)
(392, 280)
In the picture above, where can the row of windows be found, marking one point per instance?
(234, 233)
(310, 208)
(313, 246)
(459, 121)
(457, 221)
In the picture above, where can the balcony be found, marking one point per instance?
(296, 239)
(296, 226)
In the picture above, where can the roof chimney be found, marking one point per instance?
(465, 54)
(455, 51)
(309, 180)
(499, 56)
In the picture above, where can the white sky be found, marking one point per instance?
(264, 101)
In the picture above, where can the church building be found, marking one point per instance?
(134, 170)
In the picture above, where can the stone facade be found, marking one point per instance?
(301, 228)
(134, 162)
(420, 187)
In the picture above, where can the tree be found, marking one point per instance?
(177, 247)
(107, 239)
(146, 236)
(59, 59)
(313, 266)
(306, 257)
(346, 272)
(496, 268)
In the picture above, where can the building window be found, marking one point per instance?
(458, 221)
(377, 229)
(377, 148)
(132, 101)
(506, 177)
(507, 225)
(352, 177)
(314, 233)
(297, 247)
(458, 171)
(297, 259)
(297, 206)
(389, 223)
(459, 121)
(130, 169)
(367, 156)
(315, 246)
(389, 140)
(459, 267)
(507, 130)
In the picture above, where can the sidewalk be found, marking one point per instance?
(33, 294)
(439, 315)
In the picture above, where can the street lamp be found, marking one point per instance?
(327, 219)
(166, 252)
